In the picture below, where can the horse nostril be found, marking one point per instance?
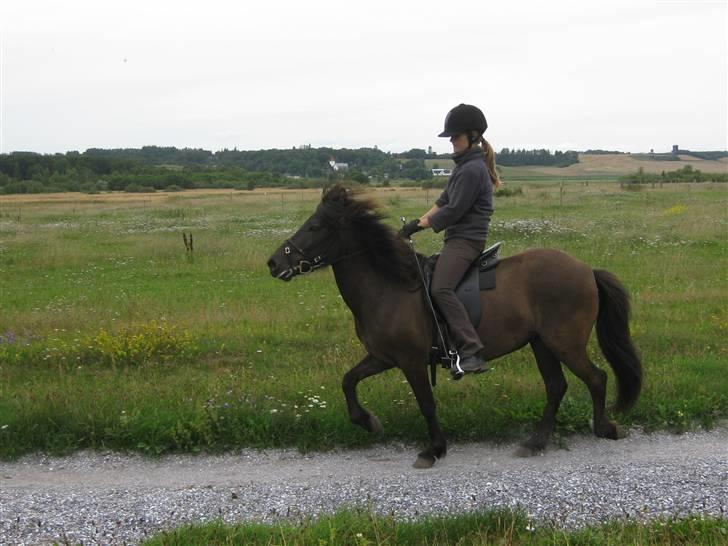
(271, 264)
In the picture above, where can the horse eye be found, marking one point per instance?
(314, 227)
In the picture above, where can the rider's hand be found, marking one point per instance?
(411, 227)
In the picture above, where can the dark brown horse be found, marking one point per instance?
(543, 297)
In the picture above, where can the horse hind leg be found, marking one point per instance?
(555, 383)
(596, 381)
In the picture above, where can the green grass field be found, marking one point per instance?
(352, 528)
(112, 336)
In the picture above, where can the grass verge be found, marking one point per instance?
(352, 528)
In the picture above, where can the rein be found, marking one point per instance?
(451, 355)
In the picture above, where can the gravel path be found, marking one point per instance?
(113, 499)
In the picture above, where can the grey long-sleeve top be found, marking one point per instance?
(466, 205)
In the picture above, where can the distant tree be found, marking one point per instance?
(414, 153)
(34, 186)
(359, 177)
(416, 170)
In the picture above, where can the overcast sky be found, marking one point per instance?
(625, 75)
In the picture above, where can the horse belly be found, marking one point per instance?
(507, 322)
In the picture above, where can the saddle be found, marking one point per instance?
(480, 276)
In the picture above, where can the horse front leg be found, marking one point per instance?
(359, 416)
(416, 375)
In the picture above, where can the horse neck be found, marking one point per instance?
(361, 285)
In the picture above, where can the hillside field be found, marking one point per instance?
(600, 166)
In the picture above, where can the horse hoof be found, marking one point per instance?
(423, 462)
(611, 431)
(375, 425)
(525, 451)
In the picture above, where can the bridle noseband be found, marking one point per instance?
(304, 265)
(308, 265)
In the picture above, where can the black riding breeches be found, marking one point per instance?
(455, 258)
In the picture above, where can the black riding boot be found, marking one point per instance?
(469, 364)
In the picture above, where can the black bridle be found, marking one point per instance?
(307, 265)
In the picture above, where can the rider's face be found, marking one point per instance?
(459, 143)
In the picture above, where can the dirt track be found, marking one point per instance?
(109, 498)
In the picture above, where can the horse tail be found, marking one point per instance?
(615, 340)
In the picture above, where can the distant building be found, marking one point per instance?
(675, 149)
(338, 166)
(441, 172)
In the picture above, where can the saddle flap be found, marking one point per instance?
(468, 292)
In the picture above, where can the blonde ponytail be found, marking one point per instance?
(490, 162)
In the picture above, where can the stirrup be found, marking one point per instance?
(456, 371)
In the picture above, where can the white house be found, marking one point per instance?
(338, 166)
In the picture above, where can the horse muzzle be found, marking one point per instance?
(281, 272)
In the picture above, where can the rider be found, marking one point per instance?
(463, 211)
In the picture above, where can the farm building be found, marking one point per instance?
(338, 166)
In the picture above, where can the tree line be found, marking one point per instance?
(158, 168)
(686, 174)
(513, 158)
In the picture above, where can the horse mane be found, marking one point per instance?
(387, 251)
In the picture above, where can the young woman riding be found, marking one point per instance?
(463, 211)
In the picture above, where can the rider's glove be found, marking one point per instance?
(411, 227)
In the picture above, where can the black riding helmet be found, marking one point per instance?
(464, 119)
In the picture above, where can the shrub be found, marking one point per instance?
(509, 192)
(150, 342)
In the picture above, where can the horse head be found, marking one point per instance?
(318, 242)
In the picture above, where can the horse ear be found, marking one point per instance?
(337, 193)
